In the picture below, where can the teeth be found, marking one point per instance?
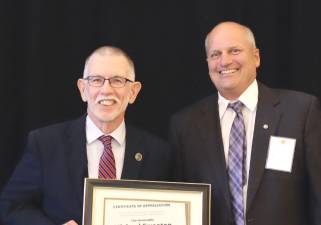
(107, 102)
(228, 71)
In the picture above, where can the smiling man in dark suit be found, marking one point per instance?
(47, 185)
(260, 148)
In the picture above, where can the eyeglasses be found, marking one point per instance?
(115, 82)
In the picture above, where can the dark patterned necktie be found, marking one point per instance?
(107, 168)
(236, 163)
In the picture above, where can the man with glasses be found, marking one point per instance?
(47, 185)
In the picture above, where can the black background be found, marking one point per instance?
(44, 44)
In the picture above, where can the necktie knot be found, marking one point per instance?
(105, 139)
(236, 106)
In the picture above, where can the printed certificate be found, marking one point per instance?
(128, 202)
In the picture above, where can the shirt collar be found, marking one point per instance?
(93, 132)
(249, 98)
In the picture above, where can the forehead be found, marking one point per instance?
(108, 64)
(228, 36)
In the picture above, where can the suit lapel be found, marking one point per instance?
(134, 146)
(211, 134)
(77, 155)
(267, 117)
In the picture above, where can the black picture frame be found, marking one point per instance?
(191, 194)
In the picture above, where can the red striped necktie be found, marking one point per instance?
(107, 168)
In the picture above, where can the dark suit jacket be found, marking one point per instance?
(47, 185)
(274, 197)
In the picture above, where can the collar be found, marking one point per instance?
(249, 98)
(93, 132)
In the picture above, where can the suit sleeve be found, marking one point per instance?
(313, 156)
(21, 200)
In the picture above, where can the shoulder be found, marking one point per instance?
(59, 129)
(197, 109)
(290, 98)
(300, 103)
(295, 105)
(296, 96)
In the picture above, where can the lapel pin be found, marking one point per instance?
(265, 126)
(138, 156)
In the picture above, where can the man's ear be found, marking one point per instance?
(134, 90)
(257, 57)
(81, 87)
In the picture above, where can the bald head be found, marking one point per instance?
(108, 51)
(248, 34)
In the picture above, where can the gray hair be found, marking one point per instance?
(110, 50)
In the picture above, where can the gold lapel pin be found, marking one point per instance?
(138, 156)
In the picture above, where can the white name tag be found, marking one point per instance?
(280, 154)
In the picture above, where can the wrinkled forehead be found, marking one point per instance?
(108, 65)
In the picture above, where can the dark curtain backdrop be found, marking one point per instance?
(43, 45)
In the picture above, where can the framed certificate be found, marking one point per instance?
(132, 202)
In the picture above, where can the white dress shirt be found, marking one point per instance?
(95, 147)
(249, 98)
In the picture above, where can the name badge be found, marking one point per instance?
(280, 154)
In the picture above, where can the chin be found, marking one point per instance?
(228, 86)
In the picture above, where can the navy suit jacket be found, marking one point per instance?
(274, 197)
(47, 185)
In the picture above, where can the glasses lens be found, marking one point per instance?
(96, 81)
(117, 81)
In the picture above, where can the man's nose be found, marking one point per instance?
(226, 59)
